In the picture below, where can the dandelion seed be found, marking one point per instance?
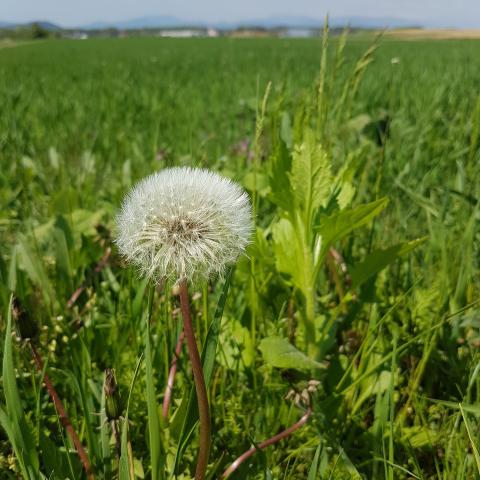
(184, 224)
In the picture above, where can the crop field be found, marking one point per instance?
(353, 315)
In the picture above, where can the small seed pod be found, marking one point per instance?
(113, 400)
(27, 328)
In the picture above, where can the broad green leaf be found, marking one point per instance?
(359, 122)
(292, 256)
(257, 182)
(236, 342)
(288, 256)
(379, 259)
(43, 233)
(346, 179)
(84, 223)
(311, 176)
(345, 195)
(280, 353)
(339, 225)
(32, 264)
(373, 386)
(419, 436)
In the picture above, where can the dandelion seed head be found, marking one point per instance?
(184, 224)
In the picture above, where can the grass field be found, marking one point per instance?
(362, 161)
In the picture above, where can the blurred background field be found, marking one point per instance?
(81, 121)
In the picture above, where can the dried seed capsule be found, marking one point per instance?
(113, 400)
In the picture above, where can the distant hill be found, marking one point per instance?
(162, 21)
(308, 22)
(41, 23)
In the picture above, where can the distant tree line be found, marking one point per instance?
(32, 31)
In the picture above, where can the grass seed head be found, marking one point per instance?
(184, 224)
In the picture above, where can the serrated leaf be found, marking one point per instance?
(280, 353)
(311, 176)
(339, 225)
(287, 254)
(379, 259)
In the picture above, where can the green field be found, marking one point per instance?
(374, 298)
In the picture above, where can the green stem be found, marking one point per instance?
(312, 346)
(200, 387)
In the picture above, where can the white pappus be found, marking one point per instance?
(183, 224)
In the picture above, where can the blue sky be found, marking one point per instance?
(445, 13)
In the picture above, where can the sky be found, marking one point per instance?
(68, 13)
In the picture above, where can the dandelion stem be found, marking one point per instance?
(267, 443)
(171, 376)
(200, 387)
(64, 418)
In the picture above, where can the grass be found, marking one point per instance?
(363, 273)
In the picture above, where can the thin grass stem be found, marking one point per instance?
(267, 443)
(62, 414)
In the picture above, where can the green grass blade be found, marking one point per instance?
(124, 463)
(313, 471)
(105, 437)
(470, 436)
(13, 418)
(153, 419)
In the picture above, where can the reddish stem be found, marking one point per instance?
(200, 387)
(98, 268)
(64, 419)
(267, 443)
(171, 376)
